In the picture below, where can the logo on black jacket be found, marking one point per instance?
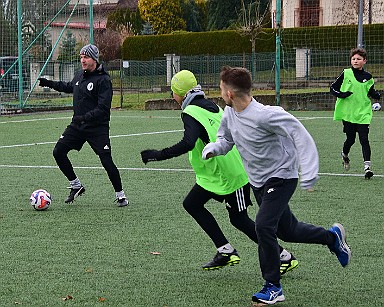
(90, 86)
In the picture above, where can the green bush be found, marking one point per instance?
(184, 43)
(146, 47)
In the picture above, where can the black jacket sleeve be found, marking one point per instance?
(373, 93)
(335, 87)
(192, 131)
(65, 87)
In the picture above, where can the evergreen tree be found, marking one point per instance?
(223, 13)
(68, 48)
(193, 15)
(147, 29)
(203, 13)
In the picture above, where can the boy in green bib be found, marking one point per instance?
(222, 178)
(354, 108)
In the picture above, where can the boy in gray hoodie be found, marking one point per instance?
(273, 144)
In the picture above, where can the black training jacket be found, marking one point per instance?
(92, 95)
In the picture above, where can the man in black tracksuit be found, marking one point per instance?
(92, 97)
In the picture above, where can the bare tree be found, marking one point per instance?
(252, 21)
(109, 43)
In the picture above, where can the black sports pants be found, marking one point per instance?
(350, 130)
(236, 203)
(276, 220)
(194, 204)
(74, 137)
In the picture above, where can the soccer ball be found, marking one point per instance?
(376, 106)
(40, 200)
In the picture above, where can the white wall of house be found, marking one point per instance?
(288, 12)
(332, 12)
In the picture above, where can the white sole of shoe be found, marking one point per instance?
(280, 298)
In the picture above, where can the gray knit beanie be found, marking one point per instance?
(92, 51)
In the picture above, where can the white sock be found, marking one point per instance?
(120, 194)
(75, 184)
(227, 248)
(367, 164)
(285, 255)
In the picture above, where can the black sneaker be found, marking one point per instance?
(346, 162)
(73, 194)
(368, 173)
(122, 202)
(222, 259)
(288, 265)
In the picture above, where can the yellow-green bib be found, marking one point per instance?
(356, 108)
(222, 174)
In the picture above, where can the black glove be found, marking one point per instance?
(78, 119)
(44, 82)
(150, 155)
(345, 94)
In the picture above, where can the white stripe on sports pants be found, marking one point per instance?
(240, 199)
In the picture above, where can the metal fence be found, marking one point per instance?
(301, 70)
(315, 69)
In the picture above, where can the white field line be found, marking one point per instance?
(158, 169)
(101, 168)
(144, 117)
(68, 118)
(34, 120)
(314, 117)
(113, 136)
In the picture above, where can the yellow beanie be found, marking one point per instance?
(182, 82)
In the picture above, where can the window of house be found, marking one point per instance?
(309, 13)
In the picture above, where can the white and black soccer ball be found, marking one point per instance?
(376, 106)
(40, 200)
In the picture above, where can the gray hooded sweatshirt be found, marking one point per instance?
(271, 142)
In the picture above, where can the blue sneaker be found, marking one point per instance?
(270, 294)
(340, 248)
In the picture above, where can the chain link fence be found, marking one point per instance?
(313, 73)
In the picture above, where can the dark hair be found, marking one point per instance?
(360, 51)
(238, 78)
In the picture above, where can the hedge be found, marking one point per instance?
(147, 47)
